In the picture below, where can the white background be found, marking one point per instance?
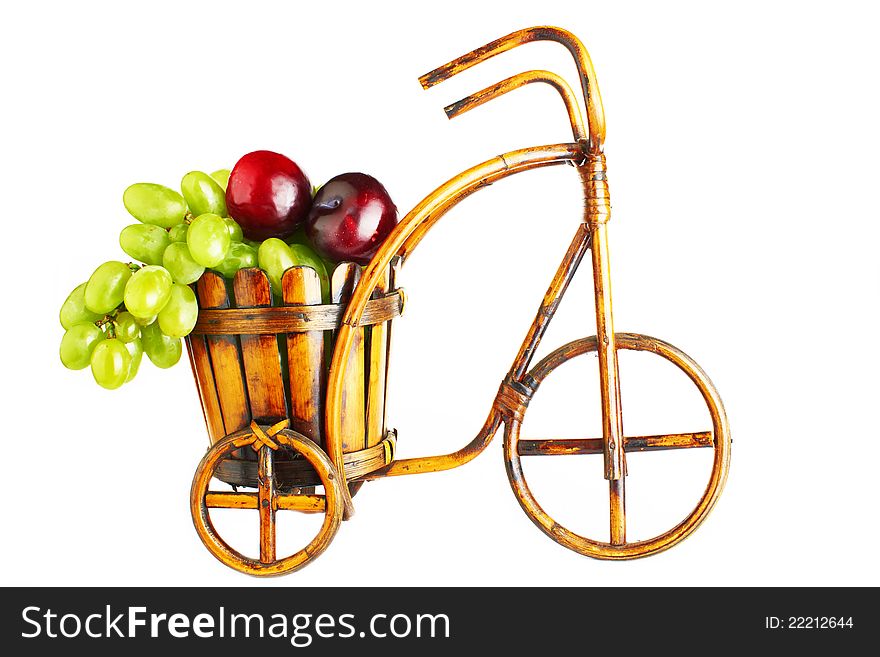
(742, 152)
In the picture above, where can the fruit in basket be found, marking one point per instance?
(136, 351)
(304, 256)
(147, 291)
(154, 204)
(235, 232)
(240, 256)
(254, 215)
(144, 242)
(126, 327)
(178, 233)
(208, 239)
(274, 258)
(268, 195)
(74, 311)
(77, 345)
(110, 363)
(179, 315)
(180, 264)
(202, 194)
(106, 287)
(221, 176)
(160, 349)
(351, 216)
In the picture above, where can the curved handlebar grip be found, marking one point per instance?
(520, 80)
(589, 85)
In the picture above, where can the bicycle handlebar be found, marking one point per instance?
(520, 80)
(589, 85)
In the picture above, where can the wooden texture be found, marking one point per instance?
(305, 355)
(570, 446)
(266, 497)
(207, 388)
(225, 358)
(720, 441)
(515, 82)
(609, 389)
(586, 72)
(352, 403)
(268, 501)
(376, 362)
(283, 319)
(297, 473)
(260, 356)
(301, 503)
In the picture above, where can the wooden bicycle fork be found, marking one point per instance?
(517, 389)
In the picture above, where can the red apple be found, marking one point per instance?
(351, 216)
(268, 195)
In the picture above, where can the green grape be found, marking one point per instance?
(305, 256)
(208, 240)
(127, 328)
(275, 258)
(180, 264)
(144, 243)
(179, 315)
(240, 256)
(136, 351)
(203, 195)
(255, 245)
(298, 236)
(235, 233)
(154, 204)
(145, 321)
(178, 233)
(106, 287)
(111, 362)
(74, 311)
(222, 177)
(148, 291)
(160, 349)
(77, 345)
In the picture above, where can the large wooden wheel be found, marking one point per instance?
(718, 439)
(267, 500)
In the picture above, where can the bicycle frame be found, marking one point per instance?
(585, 153)
(341, 479)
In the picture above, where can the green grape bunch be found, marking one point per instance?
(128, 309)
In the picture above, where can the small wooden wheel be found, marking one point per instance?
(718, 439)
(267, 500)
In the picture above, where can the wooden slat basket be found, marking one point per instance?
(263, 358)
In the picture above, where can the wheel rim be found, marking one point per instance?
(267, 565)
(717, 478)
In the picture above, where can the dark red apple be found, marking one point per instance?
(268, 195)
(351, 216)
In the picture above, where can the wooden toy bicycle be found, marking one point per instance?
(261, 374)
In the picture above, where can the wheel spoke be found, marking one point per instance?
(571, 446)
(301, 503)
(617, 505)
(266, 497)
(231, 500)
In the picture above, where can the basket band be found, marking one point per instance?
(293, 319)
(299, 473)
